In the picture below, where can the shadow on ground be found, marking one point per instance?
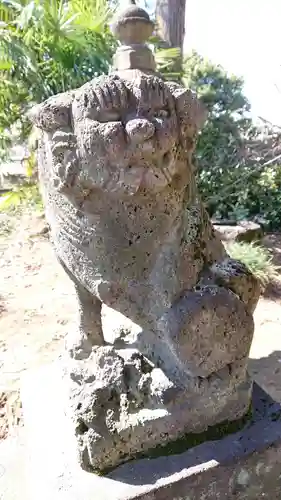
(262, 430)
(266, 372)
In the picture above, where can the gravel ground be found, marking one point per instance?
(37, 309)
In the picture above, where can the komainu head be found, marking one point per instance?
(122, 137)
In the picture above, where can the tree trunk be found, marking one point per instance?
(170, 22)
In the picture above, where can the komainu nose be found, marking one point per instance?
(140, 129)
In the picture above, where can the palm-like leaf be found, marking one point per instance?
(166, 57)
(46, 47)
(165, 61)
(91, 16)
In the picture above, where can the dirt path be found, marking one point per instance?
(37, 309)
(36, 300)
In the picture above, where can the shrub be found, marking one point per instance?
(47, 47)
(252, 192)
(257, 259)
(235, 158)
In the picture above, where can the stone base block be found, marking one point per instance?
(244, 465)
(124, 408)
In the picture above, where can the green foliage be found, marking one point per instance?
(220, 143)
(221, 93)
(24, 196)
(234, 176)
(50, 46)
(257, 258)
(165, 58)
(264, 197)
(46, 47)
(256, 191)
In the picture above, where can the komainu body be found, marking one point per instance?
(166, 321)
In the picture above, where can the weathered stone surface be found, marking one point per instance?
(124, 407)
(247, 231)
(130, 230)
(243, 465)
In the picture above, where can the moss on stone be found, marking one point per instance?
(191, 440)
(188, 441)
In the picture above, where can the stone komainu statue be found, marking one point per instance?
(165, 315)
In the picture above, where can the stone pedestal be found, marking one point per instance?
(244, 465)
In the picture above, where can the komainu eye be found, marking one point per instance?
(109, 116)
(162, 113)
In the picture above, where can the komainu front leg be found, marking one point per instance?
(89, 332)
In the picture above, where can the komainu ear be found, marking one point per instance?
(54, 113)
(188, 105)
